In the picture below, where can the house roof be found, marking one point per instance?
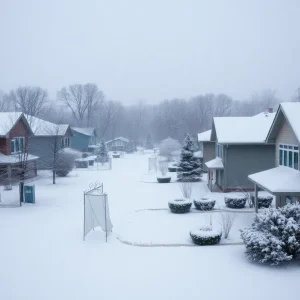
(119, 138)
(204, 136)
(14, 158)
(215, 163)
(291, 112)
(8, 120)
(41, 127)
(89, 131)
(280, 180)
(242, 130)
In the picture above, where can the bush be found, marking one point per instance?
(180, 206)
(235, 201)
(167, 146)
(85, 154)
(262, 201)
(274, 235)
(65, 164)
(204, 204)
(205, 236)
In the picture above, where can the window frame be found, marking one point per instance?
(220, 150)
(284, 151)
(15, 141)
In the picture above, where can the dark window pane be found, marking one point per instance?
(290, 147)
(291, 159)
(285, 146)
(280, 157)
(296, 160)
(285, 156)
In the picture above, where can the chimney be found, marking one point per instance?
(270, 110)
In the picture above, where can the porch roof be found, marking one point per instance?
(215, 163)
(278, 181)
(15, 158)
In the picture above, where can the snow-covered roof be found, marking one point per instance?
(243, 130)
(198, 154)
(15, 158)
(278, 180)
(41, 127)
(90, 131)
(118, 138)
(7, 121)
(215, 163)
(93, 146)
(204, 136)
(292, 113)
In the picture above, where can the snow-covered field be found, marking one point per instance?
(43, 256)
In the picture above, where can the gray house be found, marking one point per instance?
(241, 149)
(47, 138)
(207, 146)
(283, 181)
(119, 144)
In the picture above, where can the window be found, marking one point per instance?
(289, 156)
(291, 200)
(219, 150)
(17, 144)
(65, 142)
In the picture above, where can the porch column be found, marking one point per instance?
(256, 198)
(9, 175)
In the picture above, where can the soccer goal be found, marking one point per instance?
(96, 210)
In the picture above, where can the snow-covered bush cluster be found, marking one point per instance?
(262, 200)
(204, 204)
(205, 236)
(65, 163)
(180, 206)
(274, 235)
(167, 146)
(235, 201)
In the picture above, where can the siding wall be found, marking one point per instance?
(80, 141)
(209, 153)
(285, 136)
(243, 160)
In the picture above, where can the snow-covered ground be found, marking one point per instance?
(43, 256)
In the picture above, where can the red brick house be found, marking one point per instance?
(14, 157)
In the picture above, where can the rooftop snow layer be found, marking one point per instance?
(15, 158)
(7, 121)
(41, 127)
(278, 180)
(215, 163)
(292, 112)
(204, 136)
(243, 130)
(85, 130)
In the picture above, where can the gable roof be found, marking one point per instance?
(204, 136)
(41, 127)
(9, 119)
(118, 138)
(289, 111)
(89, 131)
(242, 130)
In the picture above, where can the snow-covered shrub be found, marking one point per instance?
(205, 236)
(163, 168)
(65, 163)
(167, 146)
(274, 235)
(204, 204)
(189, 166)
(226, 221)
(262, 200)
(235, 201)
(186, 189)
(85, 154)
(102, 153)
(180, 206)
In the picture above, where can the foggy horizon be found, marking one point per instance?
(152, 51)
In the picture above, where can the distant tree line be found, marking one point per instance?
(86, 105)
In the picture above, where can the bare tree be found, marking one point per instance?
(29, 99)
(82, 100)
(5, 103)
(226, 221)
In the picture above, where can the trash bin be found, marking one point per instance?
(29, 193)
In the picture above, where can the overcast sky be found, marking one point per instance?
(152, 50)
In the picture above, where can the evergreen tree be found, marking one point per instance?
(102, 153)
(149, 144)
(189, 167)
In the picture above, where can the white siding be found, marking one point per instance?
(285, 136)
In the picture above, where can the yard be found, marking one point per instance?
(43, 255)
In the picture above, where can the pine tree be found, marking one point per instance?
(149, 144)
(102, 153)
(189, 167)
